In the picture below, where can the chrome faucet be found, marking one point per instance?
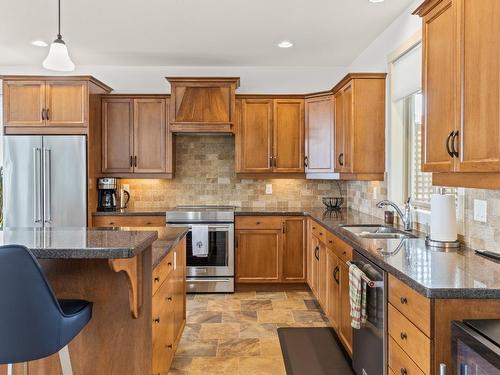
(406, 217)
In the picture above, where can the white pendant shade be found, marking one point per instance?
(58, 58)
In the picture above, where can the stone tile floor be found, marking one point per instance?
(236, 334)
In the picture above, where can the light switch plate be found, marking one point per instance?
(269, 188)
(480, 210)
(126, 187)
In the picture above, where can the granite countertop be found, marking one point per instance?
(432, 272)
(168, 238)
(79, 243)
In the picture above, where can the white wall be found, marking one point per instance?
(151, 79)
(374, 57)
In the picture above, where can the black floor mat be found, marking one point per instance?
(312, 351)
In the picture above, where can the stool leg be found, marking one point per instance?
(65, 360)
(9, 369)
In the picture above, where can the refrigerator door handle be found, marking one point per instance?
(37, 188)
(46, 186)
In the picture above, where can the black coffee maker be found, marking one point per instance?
(106, 190)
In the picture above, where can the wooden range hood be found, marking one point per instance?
(202, 104)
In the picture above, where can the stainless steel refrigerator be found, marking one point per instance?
(45, 181)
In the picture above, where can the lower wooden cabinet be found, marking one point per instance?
(109, 221)
(168, 308)
(270, 249)
(329, 279)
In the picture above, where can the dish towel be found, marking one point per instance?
(357, 296)
(199, 241)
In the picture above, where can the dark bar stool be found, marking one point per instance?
(33, 323)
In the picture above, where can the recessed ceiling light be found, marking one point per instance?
(285, 44)
(376, 1)
(39, 43)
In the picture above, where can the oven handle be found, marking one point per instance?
(210, 226)
(369, 282)
(207, 280)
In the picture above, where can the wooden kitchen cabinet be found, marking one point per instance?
(49, 104)
(270, 137)
(108, 221)
(461, 86)
(135, 138)
(319, 136)
(345, 329)
(270, 249)
(359, 102)
(332, 289)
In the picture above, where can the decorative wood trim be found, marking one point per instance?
(352, 76)
(91, 79)
(362, 176)
(271, 175)
(45, 130)
(135, 96)
(133, 270)
(235, 80)
(270, 96)
(196, 127)
(426, 7)
(467, 180)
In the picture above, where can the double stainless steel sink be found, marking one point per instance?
(380, 232)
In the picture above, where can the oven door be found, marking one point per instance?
(220, 259)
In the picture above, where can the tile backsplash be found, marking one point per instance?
(363, 196)
(205, 175)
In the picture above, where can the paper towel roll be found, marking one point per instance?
(443, 218)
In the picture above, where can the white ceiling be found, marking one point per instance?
(196, 32)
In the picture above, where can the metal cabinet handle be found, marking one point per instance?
(156, 320)
(403, 335)
(341, 159)
(403, 300)
(448, 148)
(43, 113)
(306, 161)
(37, 188)
(156, 279)
(47, 114)
(453, 144)
(169, 264)
(404, 371)
(47, 216)
(169, 299)
(135, 161)
(170, 346)
(336, 274)
(131, 161)
(316, 252)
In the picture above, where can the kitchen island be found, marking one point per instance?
(113, 268)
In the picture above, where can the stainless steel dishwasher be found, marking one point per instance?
(369, 344)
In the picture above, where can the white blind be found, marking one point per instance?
(407, 74)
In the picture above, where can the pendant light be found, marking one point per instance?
(58, 57)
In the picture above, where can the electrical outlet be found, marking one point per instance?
(480, 210)
(269, 188)
(125, 187)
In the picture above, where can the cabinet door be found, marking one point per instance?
(343, 128)
(440, 85)
(294, 256)
(322, 277)
(315, 249)
(332, 288)
(117, 135)
(66, 103)
(288, 136)
(150, 136)
(319, 139)
(480, 126)
(255, 136)
(345, 331)
(258, 255)
(23, 103)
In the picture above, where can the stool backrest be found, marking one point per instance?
(30, 315)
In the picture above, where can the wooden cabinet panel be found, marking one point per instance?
(288, 137)
(333, 289)
(440, 85)
(23, 103)
(410, 303)
(343, 128)
(66, 103)
(163, 271)
(294, 255)
(315, 249)
(410, 339)
(319, 135)
(150, 136)
(128, 221)
(259, 222)
(258, 255)
(322, 277)
(163, 328)
(480, 126)
(345, 330)
(117, 136)
(255, 135)
(399, 361)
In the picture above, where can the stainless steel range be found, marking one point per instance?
(210, 247)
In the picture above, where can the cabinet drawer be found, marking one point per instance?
(413, 341)
(411, 304)
(330, 240)
(342, 250)
(259, 222)
(163, 270)
(128, 221)
(163, 328)
(319, 231)
(399, 362)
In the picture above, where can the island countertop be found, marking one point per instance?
(80, 243)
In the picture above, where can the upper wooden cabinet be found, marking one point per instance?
(319, 136)
(202, 104)
(461, 85)
(270, 136)
(359, 102)
(135, 137)
(49, 105)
